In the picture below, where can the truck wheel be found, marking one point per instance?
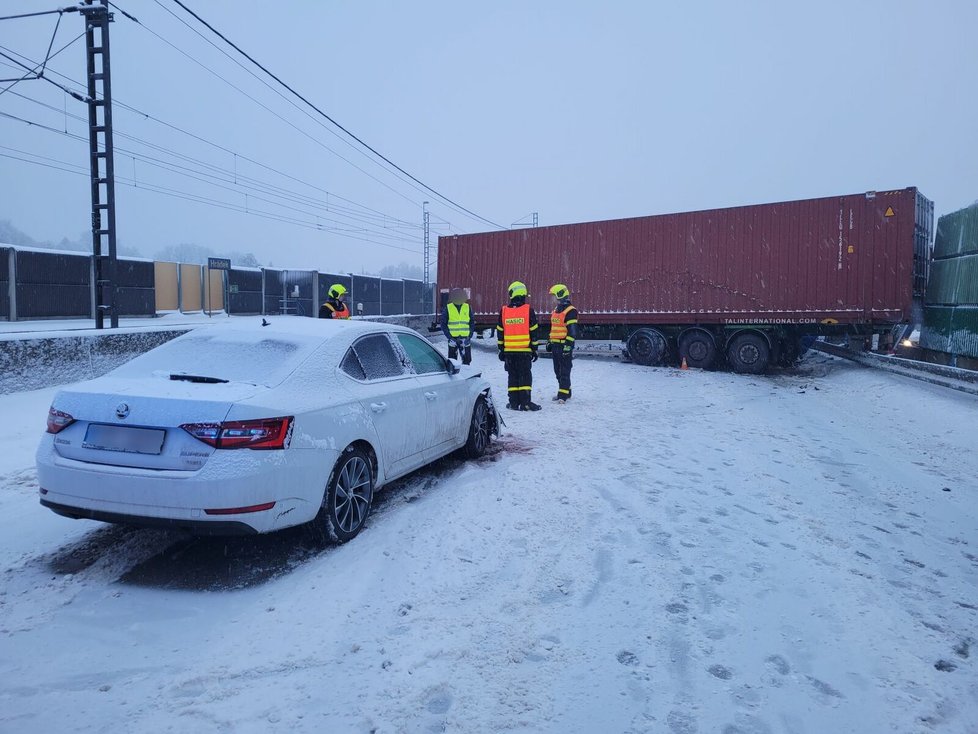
(749, 354)
(647, 347)
(698, 349)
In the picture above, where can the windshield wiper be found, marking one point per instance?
(196, 378)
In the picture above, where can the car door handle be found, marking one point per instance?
(378, 407)
(431, 395)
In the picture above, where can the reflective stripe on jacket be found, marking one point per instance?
(516, 328)
(562, 325)
(459, 320)
(336, 309)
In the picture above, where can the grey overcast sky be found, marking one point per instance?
(576, 110)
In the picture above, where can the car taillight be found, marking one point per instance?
(262, 433)
(58, 420)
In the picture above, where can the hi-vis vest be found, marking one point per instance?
(339, 313)
(459, 320)
(516, 328)
(558, 325)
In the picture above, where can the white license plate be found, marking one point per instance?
(124, 438)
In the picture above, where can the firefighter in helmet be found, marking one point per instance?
(335, 306)
(457, 324)
(563, 334)
(516, 335)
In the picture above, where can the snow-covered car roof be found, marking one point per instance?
(244, 350)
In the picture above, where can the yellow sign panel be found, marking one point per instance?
(889, 212)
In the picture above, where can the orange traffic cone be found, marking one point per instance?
(684, 366)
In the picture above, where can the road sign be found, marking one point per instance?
(219, 263)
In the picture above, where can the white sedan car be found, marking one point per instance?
(254, 426)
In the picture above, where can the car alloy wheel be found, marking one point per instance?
(348, 497)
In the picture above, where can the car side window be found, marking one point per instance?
(351, 365)
(377, 357)
(425, 359)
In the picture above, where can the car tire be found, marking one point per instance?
(480, 429)
(349, 494)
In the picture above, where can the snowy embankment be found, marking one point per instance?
(670, 552)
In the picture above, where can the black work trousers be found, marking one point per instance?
(466, 352)
(563, 362)
(518, 366)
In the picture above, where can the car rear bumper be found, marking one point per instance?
(207, 527)
(293, 479)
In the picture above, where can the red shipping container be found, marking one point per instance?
(846, 259)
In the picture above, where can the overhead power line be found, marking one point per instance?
(232, 181)
(331, 119)
(367, 213)
(262, 214)
(268, 109)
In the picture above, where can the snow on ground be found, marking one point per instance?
(673, 551)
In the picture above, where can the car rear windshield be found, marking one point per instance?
(232, 357)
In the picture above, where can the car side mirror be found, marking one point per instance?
(453, 368)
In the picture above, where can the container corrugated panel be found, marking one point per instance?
(848, 258)
(942, 287)
(957, 233)
(951, 329)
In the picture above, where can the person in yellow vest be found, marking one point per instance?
(335, 306)
(457, 324)
(563, 335)
(516, 335)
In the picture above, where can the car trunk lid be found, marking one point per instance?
(136, 422)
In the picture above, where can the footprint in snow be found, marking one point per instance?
(438, 700)
(824, 688)
(720, 671)
(778, 664)
(626, 657)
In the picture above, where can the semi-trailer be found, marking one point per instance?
(742, 286)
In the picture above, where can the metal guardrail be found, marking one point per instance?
(953, 377)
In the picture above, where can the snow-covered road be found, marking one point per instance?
(673, 551)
